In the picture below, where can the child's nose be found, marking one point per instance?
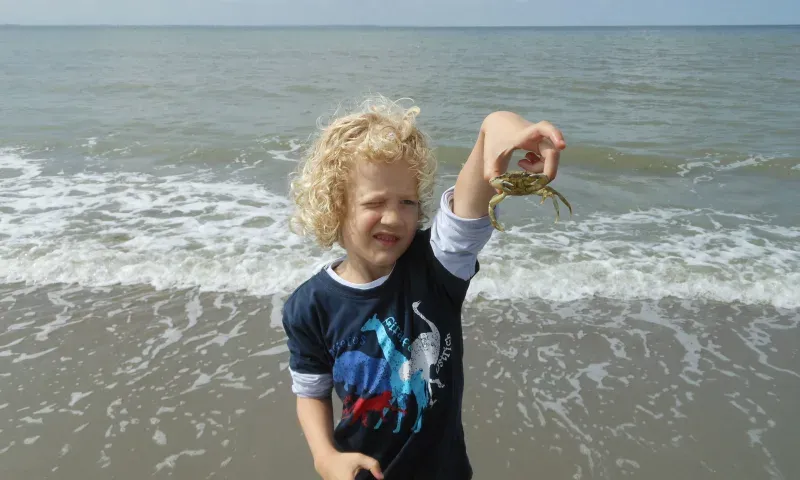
(391, 216)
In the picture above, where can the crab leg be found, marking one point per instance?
(549, 192)
(493, 203)
(555, 203)
(563, 200)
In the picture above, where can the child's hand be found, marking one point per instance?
(509, 132)
(345, 466)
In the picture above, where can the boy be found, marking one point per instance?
(382, 324)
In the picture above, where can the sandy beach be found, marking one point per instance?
(129, 383)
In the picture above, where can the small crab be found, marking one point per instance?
(523, 183)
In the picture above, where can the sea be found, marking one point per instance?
(145, 253)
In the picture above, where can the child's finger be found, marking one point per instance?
(550, 169)
(374, 467)
(532, 163)
(547, 129)
(534, 157)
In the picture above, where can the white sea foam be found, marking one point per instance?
(180, 231)
(647, 255)
(711, 164)
(289, 155)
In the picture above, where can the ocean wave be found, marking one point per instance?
(652, 254)
(701, 168)
(184, 231)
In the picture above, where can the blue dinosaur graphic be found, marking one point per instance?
(368, 375)
(367, 379)
(403, 383)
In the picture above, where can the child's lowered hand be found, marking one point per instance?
(345, 466)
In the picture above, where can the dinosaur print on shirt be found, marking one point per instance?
(383, 386)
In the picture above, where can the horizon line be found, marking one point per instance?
(367, 25)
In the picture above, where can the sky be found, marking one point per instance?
(402, 12)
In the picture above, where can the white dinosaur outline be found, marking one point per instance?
(424, 354)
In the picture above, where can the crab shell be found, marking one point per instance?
(519, 183)
(523, 183)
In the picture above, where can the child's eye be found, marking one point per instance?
(410, 202)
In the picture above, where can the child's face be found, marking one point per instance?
(382, 214)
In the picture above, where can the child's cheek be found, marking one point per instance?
(369, 221)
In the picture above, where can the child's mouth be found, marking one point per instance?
(385, 239)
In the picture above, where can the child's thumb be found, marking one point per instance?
(372, 465)
(497, 165)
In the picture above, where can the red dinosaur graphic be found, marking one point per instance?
(361, 408)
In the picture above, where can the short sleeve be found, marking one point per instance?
(309, 363)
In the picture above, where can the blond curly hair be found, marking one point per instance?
(380, 130)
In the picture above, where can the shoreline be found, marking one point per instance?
(134, 382)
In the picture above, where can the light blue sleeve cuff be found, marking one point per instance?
(457, 241)
(311, 385)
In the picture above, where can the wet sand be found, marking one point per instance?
(130, 383)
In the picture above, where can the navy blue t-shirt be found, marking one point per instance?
(395, 356)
